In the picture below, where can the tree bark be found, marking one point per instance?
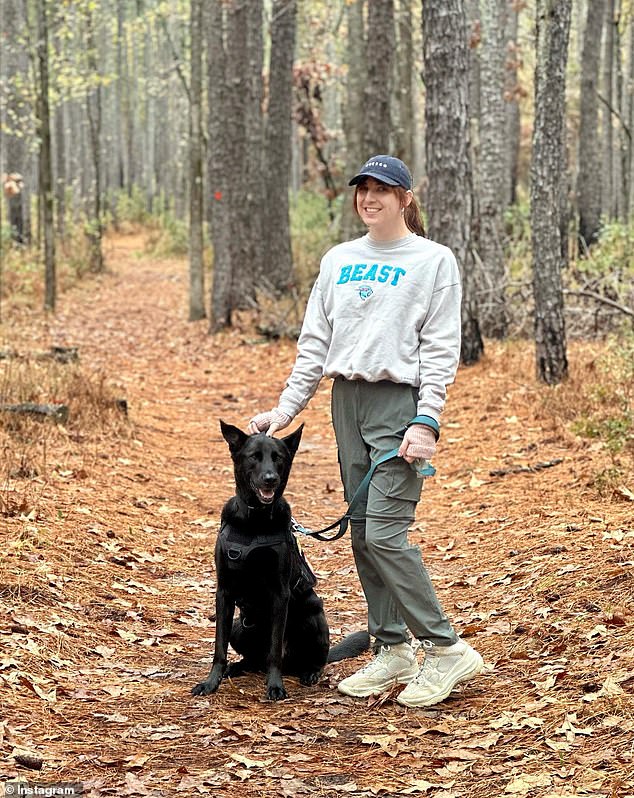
(448, 157)
(607, 93)
(512, 97)
(404, 94)
(589, 165)
(492, 161)
(547, 186)
(353, 111)
(17, 127)
(277, 261)
(45, 160)
(94, 229)
(378, 90)
(218, 174)
(196, 268)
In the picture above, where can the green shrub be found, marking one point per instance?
(608, 414)
(132, 208)
(312, 234)
(169, 236)
(613, 255)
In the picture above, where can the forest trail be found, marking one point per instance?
(106, 581)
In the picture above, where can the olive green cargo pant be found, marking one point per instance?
(369, 420)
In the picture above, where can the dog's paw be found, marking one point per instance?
(309, 678)
(276, 692)
(205, 688)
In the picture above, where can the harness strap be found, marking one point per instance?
(427, 471)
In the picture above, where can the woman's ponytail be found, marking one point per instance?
(413, 218)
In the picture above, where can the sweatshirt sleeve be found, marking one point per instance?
(439, 350)
(312, 348)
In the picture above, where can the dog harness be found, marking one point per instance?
(238, 547)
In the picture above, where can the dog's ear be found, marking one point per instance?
(234, 436)
(292, 440)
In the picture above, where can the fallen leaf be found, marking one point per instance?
(421, 785)
(386, 742)
(129, 637)
(486, 741)
(251, 763)
(625, 493)
(526, 782)
(609, 689)
(474, 482)
(47, 695)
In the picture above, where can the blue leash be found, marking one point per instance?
(423, 469)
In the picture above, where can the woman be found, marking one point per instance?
(383, 321)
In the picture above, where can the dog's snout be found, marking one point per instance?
(270, 478)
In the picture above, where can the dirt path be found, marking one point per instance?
(106, 582)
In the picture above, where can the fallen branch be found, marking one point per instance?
(600, 298)
(62, 354)
(58, 413)
(531, 469)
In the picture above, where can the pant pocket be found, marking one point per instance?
(396, 479)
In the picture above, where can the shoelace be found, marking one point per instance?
(428, 671)
(376, 661)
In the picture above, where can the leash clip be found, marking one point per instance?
(423, 468)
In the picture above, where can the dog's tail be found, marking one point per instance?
(351, 646)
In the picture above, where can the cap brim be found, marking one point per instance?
(376, 175)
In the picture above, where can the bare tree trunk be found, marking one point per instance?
(589, 166)
(219, 177)
(493, 158)
(45, 159)
(512, 97)
(622, 161)
(630, 116)
(277, 261)
(448, 155)
(380, 42)
(607, 95)
(196, 267)
(547, 185)
(248, 271)
(119, 89)
(353, 111)
(237, 43)
(404, 131)
(16, 133)
(60, 159)
(94, 230)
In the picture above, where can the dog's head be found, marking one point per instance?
(261, 463)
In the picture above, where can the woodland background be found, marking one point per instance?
(172, 173)
(236, 126)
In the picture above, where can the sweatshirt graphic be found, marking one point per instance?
(381, 311)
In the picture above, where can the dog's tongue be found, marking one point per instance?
(267, 495)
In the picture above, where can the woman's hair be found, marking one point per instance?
(411, 213)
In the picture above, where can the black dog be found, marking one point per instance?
(281, 626)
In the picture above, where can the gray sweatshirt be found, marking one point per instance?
(381, 311)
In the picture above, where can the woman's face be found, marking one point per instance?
(379, 207)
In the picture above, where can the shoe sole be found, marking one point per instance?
(475, 667)
(404, 678)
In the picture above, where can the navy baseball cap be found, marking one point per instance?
(387, 169)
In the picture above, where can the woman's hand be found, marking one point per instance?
(419, 443)
(269, 422)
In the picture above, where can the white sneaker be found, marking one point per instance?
(442, 670)
(392, 665)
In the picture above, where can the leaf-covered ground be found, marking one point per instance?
(107, 579)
